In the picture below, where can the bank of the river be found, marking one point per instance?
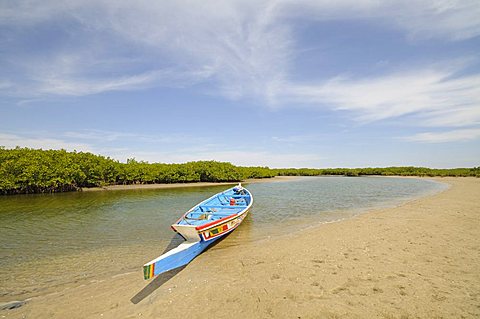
(181, 185)
(417, 260)
(152, 186)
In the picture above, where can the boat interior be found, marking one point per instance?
(227, 203)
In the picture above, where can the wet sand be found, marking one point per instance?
(421, 259)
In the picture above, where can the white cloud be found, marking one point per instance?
(449, 136)
(78, 75)
(236, 157)
(105, 137)
(454, 19)
(294, 139)
(235, 44)
(457, 19)
(242, 49)
(240, 42)
(420, 19)
(100, 135)
(245, 47)
(68, 86)
(435, 96)
(13, 140)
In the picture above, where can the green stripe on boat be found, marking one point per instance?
(146, 272)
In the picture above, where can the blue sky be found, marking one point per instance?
(278, 83)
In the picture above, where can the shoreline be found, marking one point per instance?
(247, 181)
(185, 185)
(418, 259)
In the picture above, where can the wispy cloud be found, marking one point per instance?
(434, 97)
(91, 141)
(235, 45)
(123, 145)
(237, 157)
(78, 87)
(100, 135)
(14, 140)
(294, 139)
(456, 20)
(79, 75)
(448, 136)
(244, 47)
(420, 19)
(237, 49)
(103, 137)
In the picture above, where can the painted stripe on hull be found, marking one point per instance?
(223, 228)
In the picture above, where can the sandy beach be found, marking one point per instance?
(418, 260)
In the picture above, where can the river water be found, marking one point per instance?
(49, 240)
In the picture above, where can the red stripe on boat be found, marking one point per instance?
(222, 233)
(214, 222)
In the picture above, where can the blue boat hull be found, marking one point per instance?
(177, 259)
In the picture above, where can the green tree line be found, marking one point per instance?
(382, 171)
(26, 170)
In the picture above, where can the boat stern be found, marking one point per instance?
(188, 232)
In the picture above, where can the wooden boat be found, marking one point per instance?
(201, 226)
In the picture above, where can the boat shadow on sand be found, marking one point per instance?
(161, 279)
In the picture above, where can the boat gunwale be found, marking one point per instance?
(218, 221)
(221, 221)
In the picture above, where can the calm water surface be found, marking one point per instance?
(51, 240)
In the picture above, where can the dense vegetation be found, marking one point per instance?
(383, 171)
(25, 170)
